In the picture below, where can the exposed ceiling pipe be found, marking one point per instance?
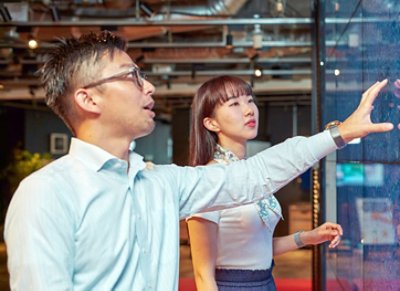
(195, 22)
(234, 72)
(124, 9)
(227, 61)
(135, 22)
(279, 60)
(244, 44)
(215, 8)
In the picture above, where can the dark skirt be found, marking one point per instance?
(245, 280)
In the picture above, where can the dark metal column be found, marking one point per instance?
(318, 85)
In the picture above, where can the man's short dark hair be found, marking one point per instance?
(73, 62)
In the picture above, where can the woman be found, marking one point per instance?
(233, 249)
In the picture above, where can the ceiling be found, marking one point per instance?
(178, 43)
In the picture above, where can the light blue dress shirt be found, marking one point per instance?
(87, 222)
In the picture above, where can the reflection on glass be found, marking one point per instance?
(376, 221)
(362, 43)
(351, 174)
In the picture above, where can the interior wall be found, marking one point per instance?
(157, 146)
(39, 125)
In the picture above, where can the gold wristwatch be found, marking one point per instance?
(332, 127)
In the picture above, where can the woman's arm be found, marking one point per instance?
(203, 245)
(326, 232)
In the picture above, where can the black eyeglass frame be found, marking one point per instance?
(139, 77)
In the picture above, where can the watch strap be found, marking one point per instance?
(337, 138)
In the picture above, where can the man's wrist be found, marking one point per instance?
(333, 129)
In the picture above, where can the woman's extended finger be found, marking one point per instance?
(335, 242)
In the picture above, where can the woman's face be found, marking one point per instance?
(236, 120)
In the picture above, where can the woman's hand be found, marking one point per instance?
(326, 232)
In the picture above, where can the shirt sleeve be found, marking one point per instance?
(216, 187)
(45, 255)
(212, 216)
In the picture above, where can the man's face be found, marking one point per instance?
(126, 102)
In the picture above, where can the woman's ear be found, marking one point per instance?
(86, 101)
(211, 124)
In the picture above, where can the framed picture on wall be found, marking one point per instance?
(58, 143)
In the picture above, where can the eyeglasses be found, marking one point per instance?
(132, 74)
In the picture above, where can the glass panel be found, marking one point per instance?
(361, 46)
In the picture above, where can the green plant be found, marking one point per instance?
(22, 164)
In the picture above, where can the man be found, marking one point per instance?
(97, 218)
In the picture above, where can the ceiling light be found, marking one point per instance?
(257, 35)
(257, 41)
(279, 7)
(337, 6)
(258, 72)
(32, 43)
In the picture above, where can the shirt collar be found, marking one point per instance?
(96, 158)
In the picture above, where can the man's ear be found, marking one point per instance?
(211, 124)
(86, 101)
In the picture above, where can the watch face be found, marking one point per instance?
(332, 124)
